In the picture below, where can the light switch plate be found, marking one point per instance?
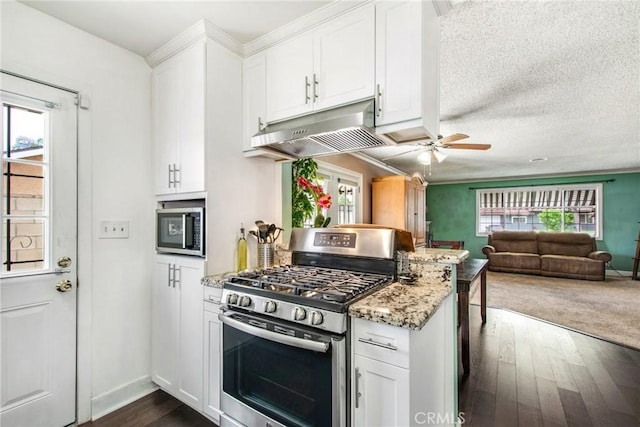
(114, 230)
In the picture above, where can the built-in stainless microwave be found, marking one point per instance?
(180, 231)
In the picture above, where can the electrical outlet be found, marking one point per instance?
(114, 230)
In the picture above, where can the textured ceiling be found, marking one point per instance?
(538, 79)
(557, 80)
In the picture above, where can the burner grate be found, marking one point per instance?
(311, 282)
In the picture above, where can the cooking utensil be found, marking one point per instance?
(262, 230)
(270, 231)
(277, 233)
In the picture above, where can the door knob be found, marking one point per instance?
(64, 285)
(64, 262)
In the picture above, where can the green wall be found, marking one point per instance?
(452, 212)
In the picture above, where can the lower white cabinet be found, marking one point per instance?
(381, 393)
(403, 377)
(177, 322)
(212, 353)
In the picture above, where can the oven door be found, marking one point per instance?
(278, 373)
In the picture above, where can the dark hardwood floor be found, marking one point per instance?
(157, 409)
(524, 372)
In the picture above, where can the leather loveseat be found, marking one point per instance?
(569, 255)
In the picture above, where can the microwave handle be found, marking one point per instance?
(184, 231)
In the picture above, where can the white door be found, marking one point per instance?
(38, 237)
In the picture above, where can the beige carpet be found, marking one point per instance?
(608, 310)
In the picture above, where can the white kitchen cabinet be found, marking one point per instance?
(407, 64)
(400, 376)
(177, 322)
(330, 65)
(382, 388)
(178, 92)
(254, 90)
(212, 352)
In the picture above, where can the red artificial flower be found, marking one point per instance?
(324, 201)
(304, 183)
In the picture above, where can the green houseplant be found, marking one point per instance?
(308, 199)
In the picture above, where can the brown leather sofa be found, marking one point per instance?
(569, 255)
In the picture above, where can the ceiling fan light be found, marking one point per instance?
(440, 156)
(424, 158)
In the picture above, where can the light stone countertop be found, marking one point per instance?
(411, 306)
(407, 306)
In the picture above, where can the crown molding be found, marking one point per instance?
(191, 35)
(302, 24)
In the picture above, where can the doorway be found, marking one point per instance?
(38, 289)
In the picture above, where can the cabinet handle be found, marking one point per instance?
(177, 270)
(170, 178)
(260, 124)
(358, 394)
(306, 89)
(176, 171)
(170, 275)
(315, 87)
(388, 346)
(378, 100)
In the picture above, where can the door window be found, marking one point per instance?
(25, 212)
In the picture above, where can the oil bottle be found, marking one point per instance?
(242, 250)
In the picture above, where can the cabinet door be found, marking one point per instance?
(383, 398)
(165, 89)
(189, 272)
(344, 59)
(289, 73)
(191, 114)
(398, 61)
(410, 201)
(164, 324)
(255, 97)
(212, 365)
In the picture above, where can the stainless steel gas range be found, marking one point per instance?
(285, 332)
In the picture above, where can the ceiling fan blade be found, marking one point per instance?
(402, 154)
(468, 146)
(452, 138)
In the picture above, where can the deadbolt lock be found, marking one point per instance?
(64, 285)
(64, 261)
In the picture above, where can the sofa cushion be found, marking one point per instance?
(515, 241)
(515, 261)
(571, 267)
(570, 244)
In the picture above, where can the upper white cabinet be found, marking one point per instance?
(407, 64)
(178, 91)
(254, 89)
(322, 68)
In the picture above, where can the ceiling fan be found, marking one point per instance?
(431, 149)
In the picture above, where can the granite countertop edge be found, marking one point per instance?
(405, 306)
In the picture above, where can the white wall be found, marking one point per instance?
(114, 183)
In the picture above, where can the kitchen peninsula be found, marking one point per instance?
(403, 364)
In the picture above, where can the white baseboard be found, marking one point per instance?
(121, 396)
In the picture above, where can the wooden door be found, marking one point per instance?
(39, 228)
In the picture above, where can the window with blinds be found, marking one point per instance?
(571, 208)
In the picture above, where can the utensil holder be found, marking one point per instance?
(266, 252)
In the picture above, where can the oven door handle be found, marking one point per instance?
(320, 347)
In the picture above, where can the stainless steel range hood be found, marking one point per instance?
(340, 130)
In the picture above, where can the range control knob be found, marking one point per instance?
(316, 318)
(299, 313)
(270, 307)
(232, 299)
(244, 301)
